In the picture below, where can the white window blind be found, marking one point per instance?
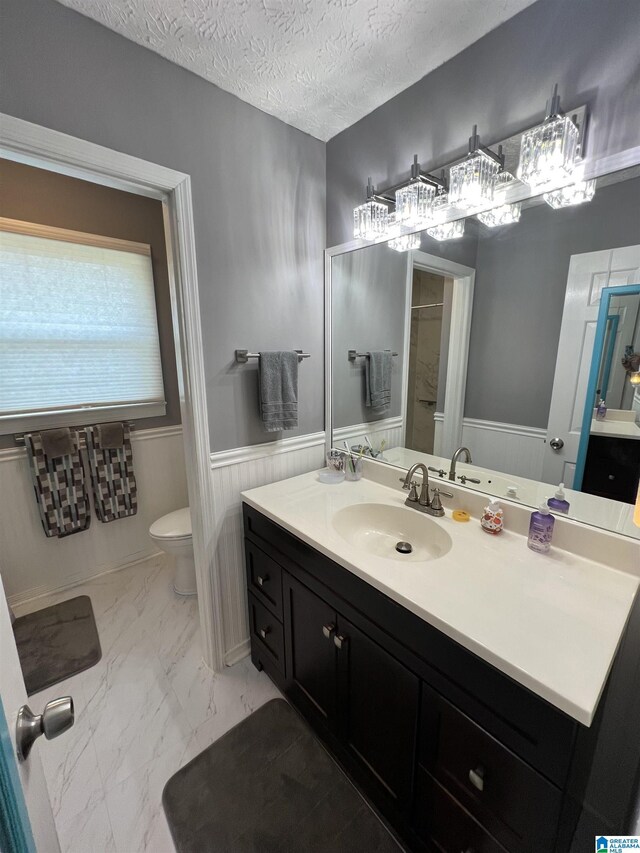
(78, 329)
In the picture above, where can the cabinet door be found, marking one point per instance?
(378, 703)
(310, 628)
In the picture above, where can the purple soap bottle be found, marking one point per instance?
(559, 503)
(541, 529)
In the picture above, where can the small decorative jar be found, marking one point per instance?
(492, 518)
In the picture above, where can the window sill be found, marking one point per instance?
(34, 421)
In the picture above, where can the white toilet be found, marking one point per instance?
(172, 533)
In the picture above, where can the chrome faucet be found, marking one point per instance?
(454, 459)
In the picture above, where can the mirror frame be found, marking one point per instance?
(592, 168)
(598, 347)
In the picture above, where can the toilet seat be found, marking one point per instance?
(174, 525)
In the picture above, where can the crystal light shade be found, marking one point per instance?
(370, 220)
(414, 203)
(578, 193)
(472, 182)
(548, 152)
(447, 231)
(505, 214)
(405, 243)
(634, 378)
(439, 208)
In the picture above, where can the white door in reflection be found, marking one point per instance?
(589, 273)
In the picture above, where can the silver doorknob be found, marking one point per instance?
(58, 716)
(556, 444)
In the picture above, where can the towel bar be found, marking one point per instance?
(243, 355)
(353, 354)
(19, 437)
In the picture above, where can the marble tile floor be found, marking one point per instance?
(146, 709)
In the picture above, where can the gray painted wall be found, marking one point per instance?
(589, 47)
(521, 279)
(258, 192)
(368, 305)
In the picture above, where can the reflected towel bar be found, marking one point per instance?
(353, 354)
(243, 355)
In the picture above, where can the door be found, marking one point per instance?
(27, 783)
(378, 704)
(589, 273)
(310, 625)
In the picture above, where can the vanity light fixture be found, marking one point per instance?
(505, 214)
(634, 378)
(405, 243)
(472, 182)
(447, 230)
(414, 201)
(578, 193)
(370, 220)
(549, 152)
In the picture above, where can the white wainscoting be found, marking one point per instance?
(233, 471)
(511, 448)
(33, 565)
(389, 429)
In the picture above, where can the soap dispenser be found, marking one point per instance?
(558, 503)
(541, 529)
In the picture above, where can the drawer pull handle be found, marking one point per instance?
(261, 581)
(339, 641)
(476, 777)
(264, 631)
(328, 630)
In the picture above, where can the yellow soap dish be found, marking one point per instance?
(460, 515)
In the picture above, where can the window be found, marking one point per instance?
(78, 329)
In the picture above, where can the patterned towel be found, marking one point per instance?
(114, 484)
(60, 488)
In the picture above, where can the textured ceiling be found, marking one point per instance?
(319, 65)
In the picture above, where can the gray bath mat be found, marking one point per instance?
(56, 642)
(268, 786)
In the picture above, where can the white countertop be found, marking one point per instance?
(614, 428)
(551, 622)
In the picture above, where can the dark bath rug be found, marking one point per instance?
(57, 642)
(268, 786)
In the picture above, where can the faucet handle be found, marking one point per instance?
(436, 503)
(440, 471)
(413, 494)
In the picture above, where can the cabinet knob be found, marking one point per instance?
(261, 580)
(264, 631)
(476, 777)
(328, 630)
(339, 641)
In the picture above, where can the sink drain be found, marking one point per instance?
(404, 547)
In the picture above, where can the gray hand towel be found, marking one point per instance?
(279, 390)
(378, 367)
(111, 435)
(57, 442)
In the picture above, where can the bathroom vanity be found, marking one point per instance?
(460, 689)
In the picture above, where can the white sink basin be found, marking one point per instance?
(377, 529)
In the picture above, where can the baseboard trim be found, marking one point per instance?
(42, 591)
(238, 653)
(236, 455)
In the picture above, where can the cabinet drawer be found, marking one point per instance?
(264, 578)
(445, 825)
(513, 801)
(266, 633)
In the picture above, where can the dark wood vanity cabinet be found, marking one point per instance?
(455, 755)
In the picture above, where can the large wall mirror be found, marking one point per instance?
(504, 341)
